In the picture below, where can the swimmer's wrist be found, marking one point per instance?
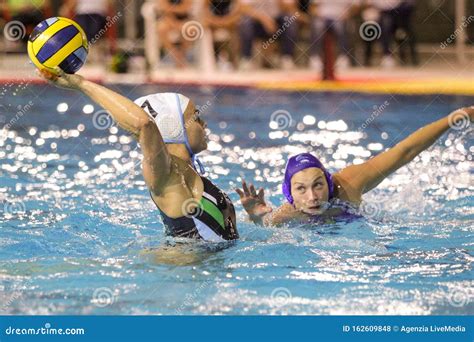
(259, 219)
(255, 219)
(86, 85)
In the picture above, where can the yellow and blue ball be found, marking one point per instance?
(58, 42)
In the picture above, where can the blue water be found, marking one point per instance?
(80, 235)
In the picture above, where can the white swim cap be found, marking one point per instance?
(167, 109)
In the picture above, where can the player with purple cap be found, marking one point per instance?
(312, 192)
(302, 162)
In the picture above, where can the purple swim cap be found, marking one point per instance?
(300, 162)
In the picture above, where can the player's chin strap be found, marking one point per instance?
(194, 158)
(197, 162)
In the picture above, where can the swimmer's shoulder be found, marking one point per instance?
(344, 189)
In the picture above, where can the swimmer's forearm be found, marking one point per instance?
(283, 215)
(366, 176)
(423, 138)
(125, 112)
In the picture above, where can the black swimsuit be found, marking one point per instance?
(213, 220)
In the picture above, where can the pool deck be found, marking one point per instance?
(435, 76)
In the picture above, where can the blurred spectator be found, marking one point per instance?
(91, 15)
(329, 15)
(29, 12)
(173, 15)
(3, 9)
(304, 10)
(385, 12)
(304, 23)
(222, 18)
(261, 20)
(395, 19)
(388, 13)
(369, 13)
(404, 32)
(289, 21)
(304, 6)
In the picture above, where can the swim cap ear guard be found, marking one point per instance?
(301, 162)
(167, 110)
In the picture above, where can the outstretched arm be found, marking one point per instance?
(129, 116)
(368, 175)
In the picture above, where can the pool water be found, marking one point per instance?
(80, 234)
